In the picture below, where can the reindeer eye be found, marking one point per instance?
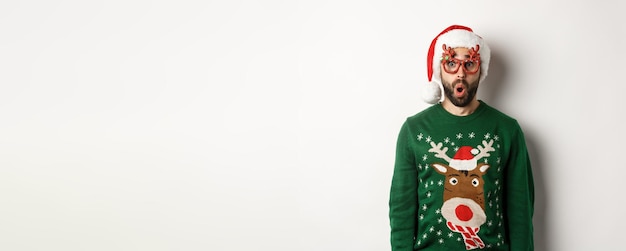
(475, 182)
(453, 181)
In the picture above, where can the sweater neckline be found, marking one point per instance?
(480, 109)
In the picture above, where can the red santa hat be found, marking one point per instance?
(453, 37)
(464, 159)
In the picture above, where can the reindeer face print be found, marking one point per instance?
(464, 184)
(463, 195)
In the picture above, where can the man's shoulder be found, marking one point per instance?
(492, 111)
(497, 116)
(429, 111)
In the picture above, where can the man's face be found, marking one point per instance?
(460, 87)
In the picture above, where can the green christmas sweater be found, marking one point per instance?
(461, 183)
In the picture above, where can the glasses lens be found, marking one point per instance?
(471, 66)
(451, 66)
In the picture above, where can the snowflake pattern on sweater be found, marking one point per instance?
(461, 215)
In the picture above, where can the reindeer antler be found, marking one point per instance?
(484, 151)
(448, 52)
(474, 55)
(439, 152)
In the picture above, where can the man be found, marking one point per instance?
(462, 178)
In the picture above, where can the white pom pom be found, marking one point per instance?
(432, 93)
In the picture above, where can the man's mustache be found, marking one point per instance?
(463, 81)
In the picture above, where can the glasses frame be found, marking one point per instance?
(448, 56)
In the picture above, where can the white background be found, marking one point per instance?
(271, 125)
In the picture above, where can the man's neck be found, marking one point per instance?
(460, 111)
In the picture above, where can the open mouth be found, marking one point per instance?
(459, 90)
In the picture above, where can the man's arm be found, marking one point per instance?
(520, 196)
(403, 195)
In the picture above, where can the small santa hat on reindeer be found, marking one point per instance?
(453, 37)
(464, 159)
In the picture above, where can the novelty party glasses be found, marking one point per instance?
(452, 65)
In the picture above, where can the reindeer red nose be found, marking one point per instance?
(463, 212)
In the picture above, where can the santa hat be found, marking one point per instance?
(453, 37)
(464, 159)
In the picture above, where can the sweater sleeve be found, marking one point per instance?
(403, 195)
(520, 196)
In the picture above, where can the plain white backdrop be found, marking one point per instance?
(271, 125)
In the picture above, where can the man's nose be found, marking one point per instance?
(460, 74)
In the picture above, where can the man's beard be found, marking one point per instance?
(470, 89)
